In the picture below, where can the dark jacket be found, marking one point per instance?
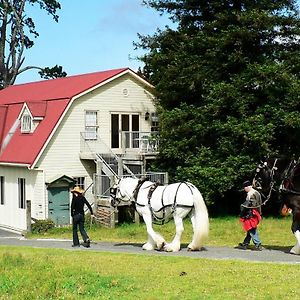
(77, 205)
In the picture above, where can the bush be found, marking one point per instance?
(41, 226)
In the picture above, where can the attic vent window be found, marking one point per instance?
(26, 123)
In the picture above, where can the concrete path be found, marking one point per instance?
(271, 254)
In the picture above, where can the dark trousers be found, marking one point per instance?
(78, 221)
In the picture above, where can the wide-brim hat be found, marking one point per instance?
(77, 189)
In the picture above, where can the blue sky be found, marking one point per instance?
(91, 36)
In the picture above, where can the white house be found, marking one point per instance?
(61, 132)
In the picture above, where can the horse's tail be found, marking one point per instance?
(201, 222)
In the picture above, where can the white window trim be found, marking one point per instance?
(91, 130)
(26, 123)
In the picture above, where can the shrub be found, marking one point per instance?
(41, 226)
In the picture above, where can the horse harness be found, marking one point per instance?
(272, 183)
(287, 186)
(156, 219)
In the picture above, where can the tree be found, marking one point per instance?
(228, 87)
(16, 27)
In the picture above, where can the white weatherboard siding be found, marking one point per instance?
(11, 216)
(61, 155)
(38, 207)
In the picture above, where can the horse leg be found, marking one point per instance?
(200, 223)
(296, 248)
(174, 246)
(155, 240)
(192, 246)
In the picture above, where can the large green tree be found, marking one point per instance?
(228, 86)
(16, 31)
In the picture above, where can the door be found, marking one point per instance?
(128, 123)
(59, 205)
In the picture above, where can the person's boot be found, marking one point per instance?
(259, 247)
(242, 246)
(87, 243)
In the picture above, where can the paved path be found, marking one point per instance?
(270, 254)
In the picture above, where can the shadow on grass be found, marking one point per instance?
(138, 245)
(284, 249)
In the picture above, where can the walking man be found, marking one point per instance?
(250, 216)
(77, 213)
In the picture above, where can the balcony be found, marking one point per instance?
(131, 143)
(144, 143)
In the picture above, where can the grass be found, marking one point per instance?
(61, 274)
(28, 273)
(226, 231)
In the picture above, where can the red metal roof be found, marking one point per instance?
(60, 88)
(47, 99)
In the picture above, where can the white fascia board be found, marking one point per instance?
(25, 106)
(128, 71)
(15, 165)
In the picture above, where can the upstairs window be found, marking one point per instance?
(91, 125)
(26, 123)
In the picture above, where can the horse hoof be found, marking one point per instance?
(161, 246)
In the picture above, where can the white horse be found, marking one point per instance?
(160, 203)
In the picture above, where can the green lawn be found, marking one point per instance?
(225, 231)
(29, 273)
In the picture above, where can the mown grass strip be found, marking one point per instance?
(28, 273)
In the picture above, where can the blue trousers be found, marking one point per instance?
(252, 234)
(78, 221)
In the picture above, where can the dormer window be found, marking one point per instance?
(26, 123)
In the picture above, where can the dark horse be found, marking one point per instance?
(283, 176)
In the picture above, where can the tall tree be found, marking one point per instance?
(228, 84)
(16, 30)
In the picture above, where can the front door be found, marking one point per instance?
(59, 205)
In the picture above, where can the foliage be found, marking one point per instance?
(42, 226)
(16, 29)
(228, 86)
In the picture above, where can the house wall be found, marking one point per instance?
(61, 155)
(11, 216)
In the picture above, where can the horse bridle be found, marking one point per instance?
(126, 198)
(272, 182)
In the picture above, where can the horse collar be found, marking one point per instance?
(137, 189)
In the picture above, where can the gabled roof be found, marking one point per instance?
(48, 99)
(60, 88)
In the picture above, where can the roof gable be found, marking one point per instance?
(46, 101)
(60, 88)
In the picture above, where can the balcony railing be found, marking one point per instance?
(130, 141)
(144, 142)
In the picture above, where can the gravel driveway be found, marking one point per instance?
(270, 254)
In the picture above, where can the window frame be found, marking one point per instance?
(80, 181)
(124, 122)
(22, 192)
(91, 129)
(2, 190)
(26, 123)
